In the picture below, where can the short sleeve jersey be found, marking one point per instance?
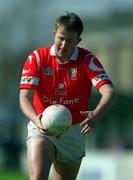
(69, 84)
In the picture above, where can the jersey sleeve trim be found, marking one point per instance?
(102, 83)
(29, 80)
(100, 80)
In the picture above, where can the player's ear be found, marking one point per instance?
(54, 33)
(79, 39)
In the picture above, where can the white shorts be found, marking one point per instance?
(69, 147)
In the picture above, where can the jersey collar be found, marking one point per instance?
(74, 56)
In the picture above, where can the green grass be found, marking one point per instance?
(12, 175)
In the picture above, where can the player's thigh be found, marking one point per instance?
(41, 154)
(66, 170)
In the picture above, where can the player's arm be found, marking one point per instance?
(26, 105)
(108, 97)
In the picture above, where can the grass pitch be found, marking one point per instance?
(12, 175)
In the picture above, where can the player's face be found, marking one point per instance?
(65, 43)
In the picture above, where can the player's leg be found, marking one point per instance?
(66, 170)
(41, 154)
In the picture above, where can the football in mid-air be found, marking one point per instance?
(57, 119)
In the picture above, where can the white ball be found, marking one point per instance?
(57, 119)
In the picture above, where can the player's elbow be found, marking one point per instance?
(113, 95)
(109, 92)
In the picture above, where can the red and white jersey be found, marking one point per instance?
(68, 83)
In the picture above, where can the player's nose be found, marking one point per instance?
(63, 45)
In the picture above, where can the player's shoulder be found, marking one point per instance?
(39, 56)
(43, 50)
(86, 53)
(83, 50)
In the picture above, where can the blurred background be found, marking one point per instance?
(108, 33)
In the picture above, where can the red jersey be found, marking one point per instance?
(68, 83)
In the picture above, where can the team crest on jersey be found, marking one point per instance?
(73, 73)
(48, 71)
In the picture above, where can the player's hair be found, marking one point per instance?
(71, 22)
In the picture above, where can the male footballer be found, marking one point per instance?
(62, 73)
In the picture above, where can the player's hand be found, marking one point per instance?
(89, 123)
(42, 129)
(38, 123)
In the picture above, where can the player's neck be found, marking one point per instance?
(63, 60)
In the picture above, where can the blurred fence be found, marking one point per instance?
(100, 165)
